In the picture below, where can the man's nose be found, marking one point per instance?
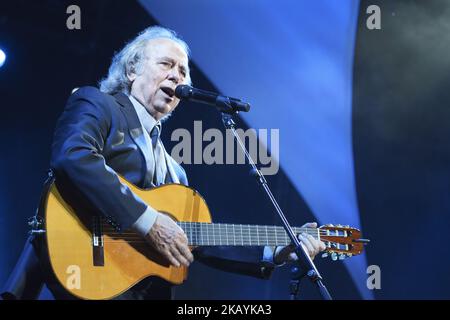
(174, 76)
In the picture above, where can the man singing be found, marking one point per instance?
(116, 130)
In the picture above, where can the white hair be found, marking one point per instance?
(130, 59)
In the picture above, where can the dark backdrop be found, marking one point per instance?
(401, 139)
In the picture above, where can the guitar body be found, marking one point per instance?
(91, 260)
(106, 266)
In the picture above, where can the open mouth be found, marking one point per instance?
(168, 91)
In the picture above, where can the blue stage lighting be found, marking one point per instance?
(2, 58)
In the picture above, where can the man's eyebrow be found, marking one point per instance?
(168, 59)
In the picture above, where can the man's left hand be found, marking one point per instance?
(311, 245)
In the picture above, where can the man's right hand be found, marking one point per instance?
(170, 241)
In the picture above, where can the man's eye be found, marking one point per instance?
(165, 63)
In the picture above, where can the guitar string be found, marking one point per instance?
(221, 228)
(223, 233)
(238, 226)
(205, 242)
(231, 244)
(328, 249)
(224, 237)
(219, 236)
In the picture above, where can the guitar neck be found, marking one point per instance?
(222, 234)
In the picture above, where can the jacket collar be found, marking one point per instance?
(137, 135)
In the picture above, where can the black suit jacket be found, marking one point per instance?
(98, 136)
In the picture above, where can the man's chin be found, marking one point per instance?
(163, 111)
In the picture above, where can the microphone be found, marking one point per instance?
(223, 103)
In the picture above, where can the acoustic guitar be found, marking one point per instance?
(93, 261)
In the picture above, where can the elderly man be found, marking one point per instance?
(115, 130)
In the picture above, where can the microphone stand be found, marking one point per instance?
(305, 264)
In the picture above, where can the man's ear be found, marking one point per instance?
(131, 72)
(131, 76)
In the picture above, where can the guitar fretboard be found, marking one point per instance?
(222, 234)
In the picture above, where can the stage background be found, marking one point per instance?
(362, 116)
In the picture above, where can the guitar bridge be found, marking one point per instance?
(97, 242)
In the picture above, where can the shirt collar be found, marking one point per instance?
(147, 121)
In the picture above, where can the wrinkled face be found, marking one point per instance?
(165, 67)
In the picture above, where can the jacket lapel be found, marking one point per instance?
(137, 134)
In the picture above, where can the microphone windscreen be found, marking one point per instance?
(183, 91)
